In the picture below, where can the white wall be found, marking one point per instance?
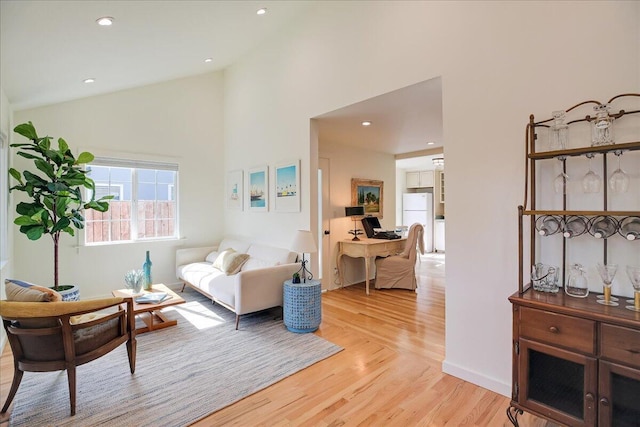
(180, 120)
(499, 62)
(6, 234)
(346, 163)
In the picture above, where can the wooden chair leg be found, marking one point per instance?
(131, 352)
(71, 376)
(17, 377)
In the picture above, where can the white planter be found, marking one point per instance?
(71, 294)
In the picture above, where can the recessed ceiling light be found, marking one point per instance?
(208, 60)
(261, 11)
(430, 143)
(89, 80)
(105, 21)
(366, 123)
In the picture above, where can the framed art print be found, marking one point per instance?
(235, 190)
(287, 187)
(258, 189)
(367, 193)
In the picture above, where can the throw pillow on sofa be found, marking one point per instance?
(230, 262)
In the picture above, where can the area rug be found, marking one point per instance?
(183, 373)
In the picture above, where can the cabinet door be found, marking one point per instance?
(557, 384)
(413, 179)
(619, 395)
(426, 179)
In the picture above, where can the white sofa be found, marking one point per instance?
(257, 286)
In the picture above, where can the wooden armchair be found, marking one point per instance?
(54, 336)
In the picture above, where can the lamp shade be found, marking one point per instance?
(354, 210)
(303, 243)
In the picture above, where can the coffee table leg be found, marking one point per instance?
(161, 321)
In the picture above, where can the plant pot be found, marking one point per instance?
(69, 292)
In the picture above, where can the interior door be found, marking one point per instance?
(325, 227)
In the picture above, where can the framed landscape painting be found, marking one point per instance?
(368, 193)
(234, 190)
(258, 189)
(287, 187)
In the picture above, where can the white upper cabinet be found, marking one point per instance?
(420, 179)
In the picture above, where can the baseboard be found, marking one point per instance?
(477, 378)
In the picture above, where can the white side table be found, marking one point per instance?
(302, 311)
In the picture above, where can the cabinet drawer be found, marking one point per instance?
(620, 344)
(569, 332)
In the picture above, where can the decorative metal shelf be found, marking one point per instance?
(573, 152)
(583, 213)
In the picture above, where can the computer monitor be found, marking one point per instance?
(370, 223)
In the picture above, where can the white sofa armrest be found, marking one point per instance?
(190, 255)
(262, 288)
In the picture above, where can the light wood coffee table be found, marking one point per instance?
(150, 313)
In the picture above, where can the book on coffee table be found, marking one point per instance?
(152, 298)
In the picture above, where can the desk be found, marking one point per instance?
(368, 249)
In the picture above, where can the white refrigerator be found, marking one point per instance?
(418, 207)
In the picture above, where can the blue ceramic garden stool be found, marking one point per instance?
(302, 306)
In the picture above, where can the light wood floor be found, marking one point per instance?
(389, 373)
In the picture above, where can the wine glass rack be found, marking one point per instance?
(532, 156)
(574, 360)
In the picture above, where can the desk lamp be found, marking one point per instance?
(354, 212)
(303, 243)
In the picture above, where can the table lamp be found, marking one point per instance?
(303, 243)
(354, 212)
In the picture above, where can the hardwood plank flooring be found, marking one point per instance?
(389, 373)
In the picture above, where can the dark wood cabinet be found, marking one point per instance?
(575, 362)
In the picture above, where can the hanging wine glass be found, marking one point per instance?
(634, 276)
(607, 273)
(619, 180)
(560, 181)
(591, 182)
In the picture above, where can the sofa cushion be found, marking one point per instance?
(197, 273)
(17, 290)
(230, 261)
(262, 256)
(235, 244)
(212, 256)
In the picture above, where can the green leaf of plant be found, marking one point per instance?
(62, 224)
(33, 232)
(27, 155)
(61, 205)
(16, 175)
(45, 167)
(63, 146)
(27, 130)
(45, 143)
(24, 220)
(55, 187)
(34, 179)
(85, 157)
(69, 230)
(29, 209)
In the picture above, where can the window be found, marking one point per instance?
(144, 205)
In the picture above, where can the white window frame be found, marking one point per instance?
(135, 165)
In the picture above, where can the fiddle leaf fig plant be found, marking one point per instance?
(54, 189)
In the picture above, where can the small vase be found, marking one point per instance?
(146, 267)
